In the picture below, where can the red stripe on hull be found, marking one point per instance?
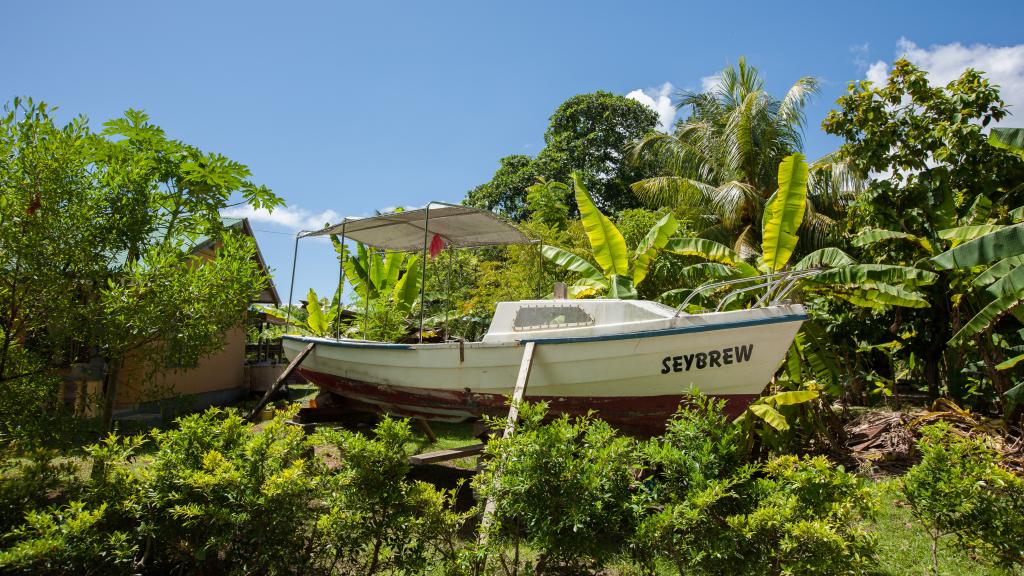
(636, 414)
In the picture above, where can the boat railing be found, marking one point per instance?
(776, 286)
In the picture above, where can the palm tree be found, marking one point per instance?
(719, 166)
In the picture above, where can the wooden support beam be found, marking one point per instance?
(281, 380)
(446, 455)
(427, 430)
(510, 428)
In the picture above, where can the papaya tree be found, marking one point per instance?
(617, 272)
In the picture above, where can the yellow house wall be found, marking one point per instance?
(223, 370)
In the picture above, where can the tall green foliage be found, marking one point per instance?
(938, 183)
(618, 272)
(588, 134)
(96, 233)
(719, 166)
(958, 489)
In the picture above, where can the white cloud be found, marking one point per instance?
(659, 100)
(1003, 65)
(710, 83)
(878, 72)
(292, 218)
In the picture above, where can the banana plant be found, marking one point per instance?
(617, 272)
(870, 285)
(320, 316)
(1000, 249)
(997, 256)
(374, 275)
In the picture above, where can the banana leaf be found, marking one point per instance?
(869, 237)
(966, 233)
(824, 258)
(987, 317)
(392, 268)
(605, 239)
(1011, 283)
(813, 344)
(994, 246)
(856, 274)
(709, 250)
(407, 289)
(708, 271)
(1010, 363)
(621, 287)
(880, 295)
(980, 209)
(1011, 139)
(784, 212)
(569, 261)
(998, 270)
(792, 397)
(656, 239)
(319, 322)
(770, 415)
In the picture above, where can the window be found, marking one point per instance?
(554, 316)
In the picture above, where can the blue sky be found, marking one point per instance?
(344, 108)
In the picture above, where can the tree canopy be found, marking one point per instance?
(589, 134)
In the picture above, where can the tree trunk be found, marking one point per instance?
(110, 393)
(936, 346)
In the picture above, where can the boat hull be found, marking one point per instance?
(634, 381)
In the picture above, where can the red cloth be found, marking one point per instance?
(436, 245)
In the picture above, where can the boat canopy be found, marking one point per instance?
(459, 226)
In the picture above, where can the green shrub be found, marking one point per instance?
(67, 540)
(958, 489)
(374, 519)
(566, 488)
(708, 513)
(32, 481)
(695, 465)
(31, 411)
(221, 496)
(806, 519)
(700, 444)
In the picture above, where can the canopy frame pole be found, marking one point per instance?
(366, 295)
(341, 281)
(540, 269)
(423, 266)
(448, 290)
(291, 289)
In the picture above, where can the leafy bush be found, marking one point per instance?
(30, 414)
(30, 481)
(67, 540)
(693, 462)
(565, 488)
(709, 513)
(958, 489)
(806, 520)
(221, 496)
(375, 520)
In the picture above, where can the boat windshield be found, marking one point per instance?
(551, 316)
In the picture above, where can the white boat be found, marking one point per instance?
(630, 361)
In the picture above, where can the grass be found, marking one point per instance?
(904, 549)
(448, 436)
